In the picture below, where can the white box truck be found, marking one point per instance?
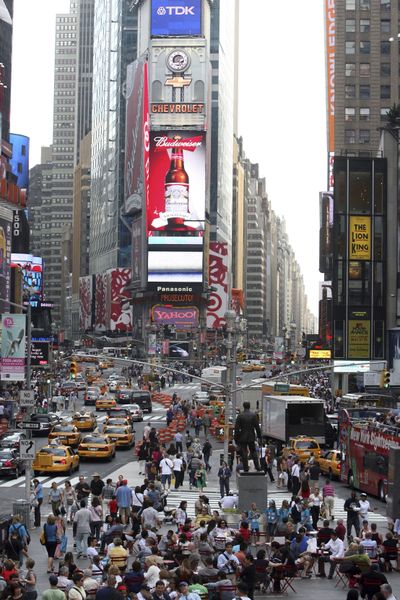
(214, 375)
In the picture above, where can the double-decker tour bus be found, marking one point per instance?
(365, 436)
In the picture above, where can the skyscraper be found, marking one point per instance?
(115, 31)
(362, 72)
(6, 13)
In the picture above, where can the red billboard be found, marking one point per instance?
(176, 200)
(218, 279)
(136, 136)
(85, 302)
(182, 317)
(119, 317)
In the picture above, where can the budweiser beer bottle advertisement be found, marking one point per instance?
(176, 202)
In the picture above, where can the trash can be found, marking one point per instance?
(5, 522)
(23, 509)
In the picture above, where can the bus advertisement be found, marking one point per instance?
(365, 442)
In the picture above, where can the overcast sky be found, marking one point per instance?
(281, 104)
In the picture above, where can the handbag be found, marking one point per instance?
(64, 542)
(42, 538)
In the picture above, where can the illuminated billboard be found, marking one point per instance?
(218, 302)
(320, 354)
(176, 202)
(5, 254)
(175, 17)
(175, 260)
(32, 274)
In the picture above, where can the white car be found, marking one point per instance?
(115, 384)
(201, 397)
(135, 410)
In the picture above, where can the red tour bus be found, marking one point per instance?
(365, 445)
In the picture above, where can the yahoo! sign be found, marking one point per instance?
(182, 317)
(175, 17)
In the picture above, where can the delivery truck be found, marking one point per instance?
(285, 417)
(214, 375)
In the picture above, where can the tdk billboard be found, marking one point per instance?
(175, 17)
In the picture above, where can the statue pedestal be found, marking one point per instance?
(252, 487)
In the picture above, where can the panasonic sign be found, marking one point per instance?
(175, 18)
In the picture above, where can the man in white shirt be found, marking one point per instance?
(178, 438)
(387, 591)
(178, 473)
(295, 478)
(227, 561)
(229, 501)
(336, 548)
(150, 518)
(166, 466)
(364, 507)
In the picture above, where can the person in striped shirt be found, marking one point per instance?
(328, 494)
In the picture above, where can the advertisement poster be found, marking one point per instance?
(394, 350)
(137, 256)
(179, 350)
(175, 17)
(100, 302)
(359, 339)
(182, 317)
(5, 254)
(177, 195)
(218, 279)
(20, 232)
(152, 344)
(40, 353)
(120, 318)
(13, 347)
(85, 303)
(359, 238)
(32, 274)
(136, 135)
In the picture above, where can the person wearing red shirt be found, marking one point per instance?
(340, 529)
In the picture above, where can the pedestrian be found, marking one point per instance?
(178, 470)
(315, 501)
(29, 581)
(295, 478)
(77, 591)
(97, 486)
(37, 501)
(96, 512)
(82, 490)
(364, 506)
(198, 422)
(143, 456)
(328, 494)
(69, 499)
(56, 497)
(167, 467)
(53, 593)
(50, 539)
(123, 496)
(178, 439)
(82, 528)
(200, 477)
(207, 451)
(224, 475)
(352, 507)
(305, 482)
(206, 422)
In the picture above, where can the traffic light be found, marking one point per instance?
(73, 370)
(292, 358)
(385, 378)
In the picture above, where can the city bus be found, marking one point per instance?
(365, 443)
(368, 399)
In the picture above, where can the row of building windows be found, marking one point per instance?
(65, 69)
(365, 91)
(364, 25)
(350, 136)
(365, 69)
(364, 114)
(364, 47)
(67, 43)
(366, 4)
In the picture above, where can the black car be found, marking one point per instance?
(10, 462)
(143, 399)
(46, 420)
(11, 439)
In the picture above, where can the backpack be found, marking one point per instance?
(17, 528)
(295, 514)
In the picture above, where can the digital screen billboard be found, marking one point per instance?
(39, 354)
(179, 350)
(175, 17)
(32, 273)
(175, 260)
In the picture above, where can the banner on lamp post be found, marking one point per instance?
(13, 347)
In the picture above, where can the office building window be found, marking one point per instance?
(350, 136)
(384, 112)
(350, 4)
(385, 4)
(385, 91)
(350, 47)
(385, 47)
(365, 69)
(350, 91)
(349, 114)
(365, 114)
(385, 25)
(365, 25)
(364, 136)
(365, 47)
(365, 5)
(385, 69)
(364, 92)
(350, 25)
(350, 69)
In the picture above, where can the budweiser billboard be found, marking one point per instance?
(182, 317)
(136, 136)
(218, 279)
(176, 201)
(85, 303)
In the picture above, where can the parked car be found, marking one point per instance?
(10, 462)
(201, 397)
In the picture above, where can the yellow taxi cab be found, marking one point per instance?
(329, 463)
(258, 368)
(106, 364)
(303, 448)
(247, 368)
(66, 434)
(122, 436)
(105, 403)
(96, 445)
(55, 458)
(117, 422)
(84, 421)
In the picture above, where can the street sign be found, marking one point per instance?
(283, 388)
(28, 425)
(27, 398)
(27, 449)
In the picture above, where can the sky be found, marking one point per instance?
(281, 104)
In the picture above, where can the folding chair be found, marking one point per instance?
(289, 575)
(341, 578)
(226, 589)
